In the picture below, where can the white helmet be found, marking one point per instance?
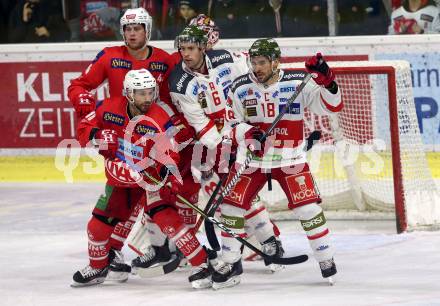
(139, 79)
(137, 16)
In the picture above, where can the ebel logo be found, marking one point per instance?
(222, 57)
(182, 79)
(120, 63)
(158, 66)
(114, 118)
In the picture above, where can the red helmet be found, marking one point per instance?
(206, 24)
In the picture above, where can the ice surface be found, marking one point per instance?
(42, 234)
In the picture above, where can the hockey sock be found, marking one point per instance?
(233, 218)
(257, 222)
(186, 241)
(188, 215)
(123, 229)
(98, 234)
(315, 225)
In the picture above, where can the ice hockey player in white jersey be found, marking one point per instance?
(255, 100)
(199, 87)
(415, 17)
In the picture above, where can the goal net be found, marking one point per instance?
(370, 161)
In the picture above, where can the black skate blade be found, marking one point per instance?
(158, 270)
(287, 260)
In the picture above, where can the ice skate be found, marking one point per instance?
(155, 262)
(118, 269)
(227, 275)
(89, 276)
(201, 276)
(328, 269)
(273, 247)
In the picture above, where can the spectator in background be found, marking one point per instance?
(352, 15)
(415, 17)
(230, 16)
(28, 22)
(300, 19)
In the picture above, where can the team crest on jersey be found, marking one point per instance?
(114, 118)
(250, 102)
(145, 129)
(120, 63)
(202, 100)
(158, 66)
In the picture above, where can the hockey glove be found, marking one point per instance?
(253, 143)
(85, 103)
(320, 71)
(169, 191)
(107, 142)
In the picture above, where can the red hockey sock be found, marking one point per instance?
(123, 229)
(171, 224)
(98, 233)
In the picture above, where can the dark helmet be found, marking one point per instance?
(191, 34)
(267, 47)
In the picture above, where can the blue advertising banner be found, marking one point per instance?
(426, 85)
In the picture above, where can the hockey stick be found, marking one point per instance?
(271, 259)
(209, 228)
(210, 201)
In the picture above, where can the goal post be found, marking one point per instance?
(370, 161)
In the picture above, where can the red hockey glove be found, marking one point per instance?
(169, 191)
(85, 103)
(107, 142)
(252, 138)
(184, 132)
(321, 72)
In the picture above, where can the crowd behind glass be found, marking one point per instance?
(33, 21)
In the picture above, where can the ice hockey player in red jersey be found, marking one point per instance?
(137, 128)
(254, 101)
(113, 63)
(199, 87)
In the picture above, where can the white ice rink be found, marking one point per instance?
(43, 242)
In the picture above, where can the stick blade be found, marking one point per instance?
(287, 260)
